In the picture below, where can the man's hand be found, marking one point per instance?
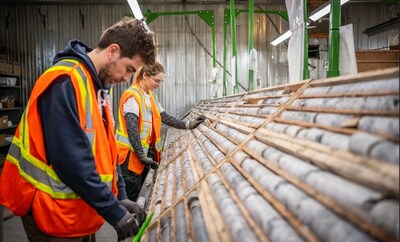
(148, 161)
(196, 122)
(127, 226)
(133, 208)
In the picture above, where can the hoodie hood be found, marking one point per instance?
(77, 50)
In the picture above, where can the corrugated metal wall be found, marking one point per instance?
(34, 33)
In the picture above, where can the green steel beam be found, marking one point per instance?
(251, 42)
(283, 14)
(334, 39)
(306, 72)
(233, 38)
(206, 15)
(227, 21)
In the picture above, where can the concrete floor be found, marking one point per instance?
(13, 231)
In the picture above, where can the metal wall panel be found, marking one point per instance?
(365, 16)
(34, 42)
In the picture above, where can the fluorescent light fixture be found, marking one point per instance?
(323, 10)
(281, 38)
(133, 4)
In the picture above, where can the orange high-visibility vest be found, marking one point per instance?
(28, 181)
(149, 128)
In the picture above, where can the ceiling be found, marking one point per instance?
(311, 3)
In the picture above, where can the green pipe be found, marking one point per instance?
(143, 228)
(306, 72)
(334, 39)
(208, 17)
(214, 47)
(251, 41)
(233, 38)
(226, 22)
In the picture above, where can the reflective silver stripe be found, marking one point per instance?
(41, 176)
(88, 114)
(147, 116)
(89, 122)
(65, 63)
(123, 139)
(36, 173)
(158, 145)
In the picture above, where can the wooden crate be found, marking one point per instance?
(368, 60)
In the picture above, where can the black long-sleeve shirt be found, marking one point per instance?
(132, 126)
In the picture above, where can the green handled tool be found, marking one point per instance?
(143, 228)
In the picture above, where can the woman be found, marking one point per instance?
(139, 127)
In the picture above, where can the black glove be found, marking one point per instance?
(148, 161)
(127, 226)
(196, 122)
(133, 208)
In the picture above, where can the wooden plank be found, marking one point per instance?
(250, 114)
(377, 55)
(364, 66)
(353, 171)
(378, 61)
(359, 77)
(300, 228)
(258, 105)
(292, 87)
(319, 35)
(333, 205)
(237, 126)
(344, 111)
(256, 99)
(254, 126)
(354, 94)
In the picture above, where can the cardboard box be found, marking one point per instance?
(3, 121)
(8, 104)
(3, 66)
(6, 67)
(368, 60)
(2, 138)
(17, 68)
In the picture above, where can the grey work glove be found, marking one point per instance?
(196, 122)
(127, 226)
(148, 161)
(133, 208)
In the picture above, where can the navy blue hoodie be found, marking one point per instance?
(67, 147)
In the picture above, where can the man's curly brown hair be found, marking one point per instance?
(133, 37)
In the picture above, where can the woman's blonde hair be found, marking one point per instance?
(151, 70)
